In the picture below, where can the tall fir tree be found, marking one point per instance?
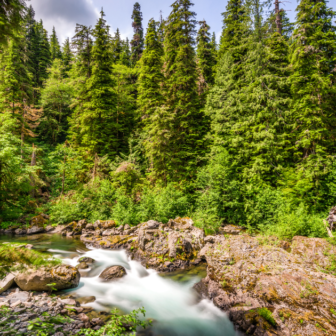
(137, 42)
(44, 54)
(313, 85)
(67, 57)
(117, 46)
(175, 141)
(55, 48)
(151, 78)
(206, 57)
(95, 126)
(235, 19)
(125, 56)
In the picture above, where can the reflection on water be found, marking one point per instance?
(169, 299)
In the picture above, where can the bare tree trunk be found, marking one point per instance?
(278, 17)
(33, 163)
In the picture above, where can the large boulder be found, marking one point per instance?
(267, 290)
(112, 273)
(62, 276)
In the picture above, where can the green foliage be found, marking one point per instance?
(45, 325)
(267, 315)
(120, 324)
(15, 258)
(55, 48)
(11, 16)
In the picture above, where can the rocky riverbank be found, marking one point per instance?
(267, 286)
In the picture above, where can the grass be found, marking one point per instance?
(13, 257)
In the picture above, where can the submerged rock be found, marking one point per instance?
(62, 276)
(112, 273)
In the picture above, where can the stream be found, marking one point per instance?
(169, 299)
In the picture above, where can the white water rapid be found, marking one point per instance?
(173, 306)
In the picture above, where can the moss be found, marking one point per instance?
(267, 315)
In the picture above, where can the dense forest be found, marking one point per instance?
(172, 123)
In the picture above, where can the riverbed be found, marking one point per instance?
(169, 299)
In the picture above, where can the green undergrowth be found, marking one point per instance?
(14, 257)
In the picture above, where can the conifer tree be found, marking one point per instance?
(67, 57)
(151, 77)
(234, 28)
(205, 53)
(95, 126)
(161, 29)
(125, 57)
(55, 49)
(175, 140)
(137, 41)
(44, 54)
(117, 46)
(313, 85)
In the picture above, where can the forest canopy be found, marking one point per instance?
(172, 123)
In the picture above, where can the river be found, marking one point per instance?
(169, 299)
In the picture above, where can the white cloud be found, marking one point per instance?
(64, 14)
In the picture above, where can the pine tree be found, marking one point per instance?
(55, 49)
(151, 77)
(44, 54)
(205, 53)
(313, 61)
(67, 57)
(161, 29)
(117, 47)
(234, 29)
(137, 41)
(12, 15)
(175, 140)
(95, 126)
(125, 57)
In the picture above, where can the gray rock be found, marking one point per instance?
(7, 282)
(35, 229)
(231, 229)
(112, 273)
(152, 224)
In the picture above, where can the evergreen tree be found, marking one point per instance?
(234, 29)
(95, 126)
(125, 57)
(55, 49)
(205, 53)
(161, 29)
(137, 41)
(313, 60)
(117, 46)
(67, 57)
(44, 54)
(151, 77)
(175, 140)
(12, 13)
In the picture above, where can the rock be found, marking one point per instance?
(4, 304)
(151, 224)
(98, 224)
(86, 299)
(209, 239)
(231, 229)
(16, 304)
(20, 232)
(127, 227)
(63, 276)
(35, 229)
(20, 296)
(29, 246)
(82, 223)
(109, 224)
(112, 273)
(82, 265)
(245, 275)
(7, 282)
(181, 223)
(84, 318)
(109, 232)
(69, 302)
(86, 260)
(49, 228)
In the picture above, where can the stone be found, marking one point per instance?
(126, 227)
(35, 229)
(209, 239)
(70, 302)
(7, 282)
(20, 231)
(112, 273)
(86, 299)
(152, 224)
(64, 277)
(4, 304)
(84, 318)
(49, 228)
(16, 304)
(20, 296)
(29, 246)
(86, 260)
(231, 229)
(82, 265)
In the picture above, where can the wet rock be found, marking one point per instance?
(63, 276)
(86, 260)
(86, 299)
(20, 231)
(112, 273)
(82, 265)
(7, 282)
(35, 229)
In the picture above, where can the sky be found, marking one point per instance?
(64, 14)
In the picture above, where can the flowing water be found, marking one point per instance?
(168, 299)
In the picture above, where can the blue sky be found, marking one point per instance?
(64, 14)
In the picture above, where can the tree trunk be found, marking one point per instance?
(278, 17)
(63, 176)
(33, 163)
